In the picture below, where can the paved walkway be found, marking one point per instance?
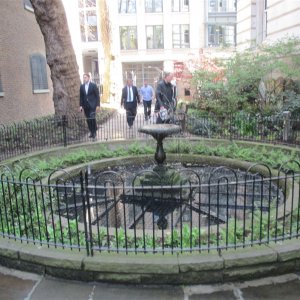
(17, 285)
(117, 128)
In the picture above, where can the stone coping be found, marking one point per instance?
(196, 268)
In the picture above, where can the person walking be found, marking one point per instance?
(130, 99)
(89, 103)
(147, 94)
(165, 99)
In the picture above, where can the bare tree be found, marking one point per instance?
(60, 54)
(106, 43)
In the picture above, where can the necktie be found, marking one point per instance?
(130, 95)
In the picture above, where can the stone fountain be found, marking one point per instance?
(160, 132)
(160, 191)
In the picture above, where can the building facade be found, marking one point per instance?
(150, 36)
(260, 21)
(25, 84)
(147, 37)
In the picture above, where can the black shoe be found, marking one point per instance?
(91, 135)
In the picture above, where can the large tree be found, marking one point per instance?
(50, 16)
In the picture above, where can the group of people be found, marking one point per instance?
(165, 95)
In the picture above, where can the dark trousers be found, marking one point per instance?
(130, 115)
(91, 120)
(147, 108)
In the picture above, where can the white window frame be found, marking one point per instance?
(183, 5)
(155, 36)
(130, 6)
(182, 36)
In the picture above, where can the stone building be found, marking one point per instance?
(25, 84)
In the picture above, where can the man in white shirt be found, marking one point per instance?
(130, 98)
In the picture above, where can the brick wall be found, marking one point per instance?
(20, 37)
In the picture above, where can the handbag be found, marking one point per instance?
(163, 114)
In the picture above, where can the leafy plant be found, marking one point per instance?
(237, 85)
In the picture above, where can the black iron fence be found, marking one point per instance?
(206, 209)
(36, 135)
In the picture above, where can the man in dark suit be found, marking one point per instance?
(130, 99)
(89, 103)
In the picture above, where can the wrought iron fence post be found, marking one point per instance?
(64, 124)
(287, 126)
(84, 195)
(230, 127)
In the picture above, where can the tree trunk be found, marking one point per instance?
(106, 43)
(50, 16)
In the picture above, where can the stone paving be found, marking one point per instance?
(17, 285)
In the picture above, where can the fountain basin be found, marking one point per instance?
(159, 132)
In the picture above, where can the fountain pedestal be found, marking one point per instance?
(159, 132)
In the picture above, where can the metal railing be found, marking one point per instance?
(52, 132)
(218, 208)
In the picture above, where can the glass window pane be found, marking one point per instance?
(128, 37)
(1, 88)
(91, 22)
(127, 6)
(131, 6)
(154, 36)
(148, 6)
(132, 38)
(176, 36)
(90, 3)
(152, 6)
(180, 5)
(221, 5)
(38, 72)
(159, 37)
(221, 35)
(122, 6)
(27, 4)
(82, 26)
(175, 5)
(181, 36)
(81, 3)
(158, 6)
(149, 37)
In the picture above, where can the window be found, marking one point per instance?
(86, 3)
(28, 5)
(265, 20)
(153, 6)
(180, 5)
(221, 35)
(155, 37)
(1, 88)
(128, 37)
(127, 7)
(187, 92)
(181, 36)
(88, 25)
(38, 73)
(221, 6)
